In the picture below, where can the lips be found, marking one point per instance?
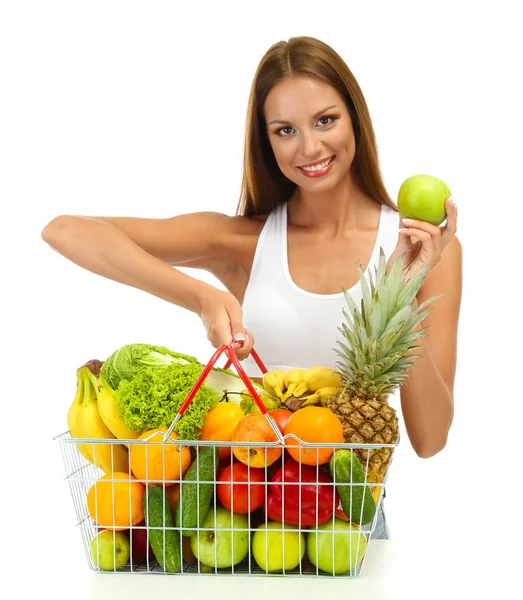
(317, 162)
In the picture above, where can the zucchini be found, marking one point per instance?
(160, 521)
(197, 491)
(345, 469)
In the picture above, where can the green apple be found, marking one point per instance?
(277, 550)
(423, 197)
(337, 550)
(220, 546)
(110, 549)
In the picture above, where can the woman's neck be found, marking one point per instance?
(335, 212)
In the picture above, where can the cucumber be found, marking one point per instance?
(157, 512)
(346, 467)
(196, 493)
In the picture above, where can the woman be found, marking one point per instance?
(296, 241)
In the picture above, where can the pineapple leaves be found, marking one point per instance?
(400, 317)
(384, 305)
(370, 350)
(395, 282)
(428, 301)
(411, 288)
(381, 271)
(376, 340)
(366, 293)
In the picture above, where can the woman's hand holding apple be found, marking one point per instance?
(423, 242)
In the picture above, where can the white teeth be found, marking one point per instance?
(317, 167)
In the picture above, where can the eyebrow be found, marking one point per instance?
(315, 116)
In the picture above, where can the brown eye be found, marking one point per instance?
(329, 117)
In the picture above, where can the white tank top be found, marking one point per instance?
(293, 328)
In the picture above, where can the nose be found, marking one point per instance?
(310, 146)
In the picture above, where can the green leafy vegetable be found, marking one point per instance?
(127, 360)
(153, 397)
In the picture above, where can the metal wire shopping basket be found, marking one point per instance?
(221, 513)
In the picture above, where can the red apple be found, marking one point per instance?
(139, 545)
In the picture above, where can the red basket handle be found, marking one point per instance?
(234, 359)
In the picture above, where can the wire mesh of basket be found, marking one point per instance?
(279, 507)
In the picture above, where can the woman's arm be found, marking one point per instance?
(139, 252)
(427, 400)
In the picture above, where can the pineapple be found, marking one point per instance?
(374, 360)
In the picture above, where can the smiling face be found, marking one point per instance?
(308, 121)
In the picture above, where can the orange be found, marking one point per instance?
(313, 425)
(254, 427)
(115, 501)
(159, 460)
(219, 425)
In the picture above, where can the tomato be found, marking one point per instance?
(241, 489)
(280, 416)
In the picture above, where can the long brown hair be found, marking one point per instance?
(263, 184)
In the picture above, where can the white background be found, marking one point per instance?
(138, 108)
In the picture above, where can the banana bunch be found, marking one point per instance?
(107, 405)
(298, 388)
(84, 421)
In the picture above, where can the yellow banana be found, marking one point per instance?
(319, 377)
(325, 393)
(319, 396)
(108, 457)
(107, 405)
(72, 419)
(311, 400)
(294, 383)
(274, 382)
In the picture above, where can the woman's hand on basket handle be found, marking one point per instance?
(222, 316)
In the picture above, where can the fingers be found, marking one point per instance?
(431, 236)
(243, 349)
(223, 319)
(451, 225)
(219, 333)
(237, 330)
(242, 341)
(403, 245)
(440, 235)
(430, 240)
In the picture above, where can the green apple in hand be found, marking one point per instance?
(110, 549)
(337, 551)
(219, 546)
(275, 550)
(423, 197)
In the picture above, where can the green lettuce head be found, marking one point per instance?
(127, 360)
(153, 398)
